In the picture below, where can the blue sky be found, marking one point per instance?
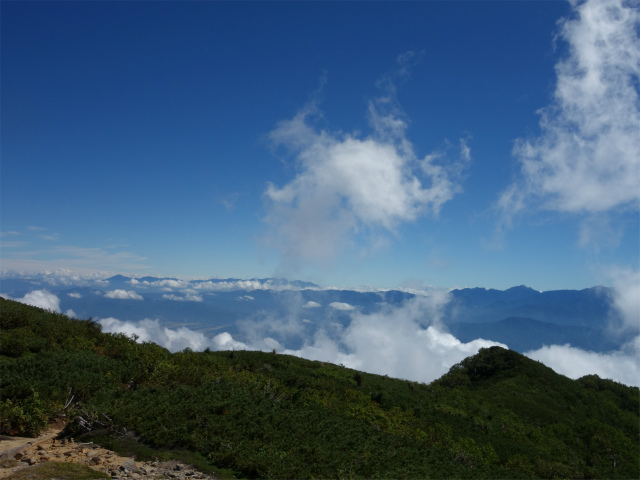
(386, 144)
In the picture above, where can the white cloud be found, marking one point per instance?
(587, 158)
(404, 342)
(75, 295)
(622, 366)
(39, 298)
(342, 306)
(626, 300)
(248, 285)
(347, 184)
(167, 283)
(148, 330)
(123, 294)
(71, 314)
(311, 304)
(224, 341)
(187, 298)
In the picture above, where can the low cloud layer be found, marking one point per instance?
(177, 339)
(622, 365)
(39, 298)
(123, 295)
(403, 342)
(408, 341)
(587, 157)
(348, 185)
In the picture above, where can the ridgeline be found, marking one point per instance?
(250, 414)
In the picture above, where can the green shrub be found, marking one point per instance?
(28, 417)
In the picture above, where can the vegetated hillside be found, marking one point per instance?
(497, 414)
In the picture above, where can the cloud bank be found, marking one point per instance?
(587, 157)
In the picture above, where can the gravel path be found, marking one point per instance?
(28, 452)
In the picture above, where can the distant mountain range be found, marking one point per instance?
(521, 317)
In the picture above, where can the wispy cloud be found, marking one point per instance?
(69, 257)
(14, 244)
(587, 157)
(348, 186)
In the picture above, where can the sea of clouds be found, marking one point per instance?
(407, 341)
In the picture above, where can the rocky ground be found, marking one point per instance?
(17, 453)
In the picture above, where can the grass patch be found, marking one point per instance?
(59, 471)
(8, 463)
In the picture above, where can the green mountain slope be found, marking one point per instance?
(497, 414)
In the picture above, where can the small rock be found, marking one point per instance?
(130, 464)
(40, 447)
(18, 456)
(97, 460)
(33, 461)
